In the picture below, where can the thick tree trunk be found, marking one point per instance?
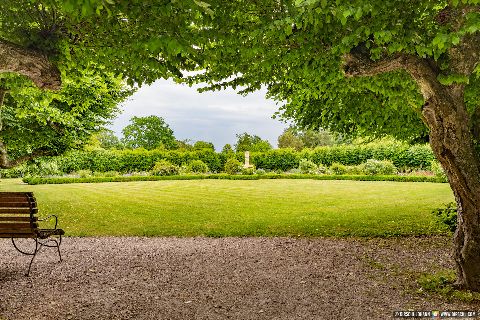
(452, 143)
(451, 138)
(30, 63)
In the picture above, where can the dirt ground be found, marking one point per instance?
(223, 278)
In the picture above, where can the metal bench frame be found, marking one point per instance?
(41, 237)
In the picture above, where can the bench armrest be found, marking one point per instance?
(49, 217)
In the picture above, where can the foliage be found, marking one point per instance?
(197, 166)
(227, 149)
(149, 133)
(164, 168)
(307, 166)
(443, 283)
(125, 161)
(258, 175)
(298, 139)
(248, 171)
(402, 155)
(437, 169)
(447, 215)
(108, 140)
(135, 160)
(83, 173)
(39, 123)
(184, 145)
(260, 172)
(288, 139)
(252, 143)
(376, 167)
(199, 145)
(232, 166)
(338, 168)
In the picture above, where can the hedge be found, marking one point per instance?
(65, 180)
(135, 160)
(403, 156)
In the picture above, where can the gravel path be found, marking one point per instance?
(226, 278)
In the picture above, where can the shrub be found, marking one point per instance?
(164, 168)
(232, 166)
(260, 172)
(321, 169)
(16, 172)
(447, 215)
(111, 174)
(377, 167)
(338, 168)
(197, 166)
(294, 171)
(84, 173)
(307, 166)
(354, 169)
(437, 169)
(248, 171)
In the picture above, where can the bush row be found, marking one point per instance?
(64, 180)
(403, 157)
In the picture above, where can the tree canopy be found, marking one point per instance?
(247, 142)
(149, 132)
(402, 67)
(35, 123)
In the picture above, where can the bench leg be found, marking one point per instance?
(38, 246)
(57, 244)
(37, 249)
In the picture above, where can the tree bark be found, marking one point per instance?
(451, 139)
(30, 63)
(452, 143)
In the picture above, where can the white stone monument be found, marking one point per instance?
(247, 160)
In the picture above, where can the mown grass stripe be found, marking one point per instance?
(242, 208)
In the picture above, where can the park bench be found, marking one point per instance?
(18, 219)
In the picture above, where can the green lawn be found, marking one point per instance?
(241, 208)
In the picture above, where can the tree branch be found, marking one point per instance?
(6, 163)
(357, 63)
(30, 63)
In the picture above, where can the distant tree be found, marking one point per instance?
(108, 140)
(317, 138)
(289, 139)
(246, 142)
(183, 144)
(227, 148)
(148, 132)
(261, 146)
(199, 145)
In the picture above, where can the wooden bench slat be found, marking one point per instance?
(15, 231)
(16, 194)
(26, 219)
(17, 210)
(18, 235)
(14, 225)
(14, 204)
(14, 198)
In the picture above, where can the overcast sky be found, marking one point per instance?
(210, 116)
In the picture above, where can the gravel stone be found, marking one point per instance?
(223, 278)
